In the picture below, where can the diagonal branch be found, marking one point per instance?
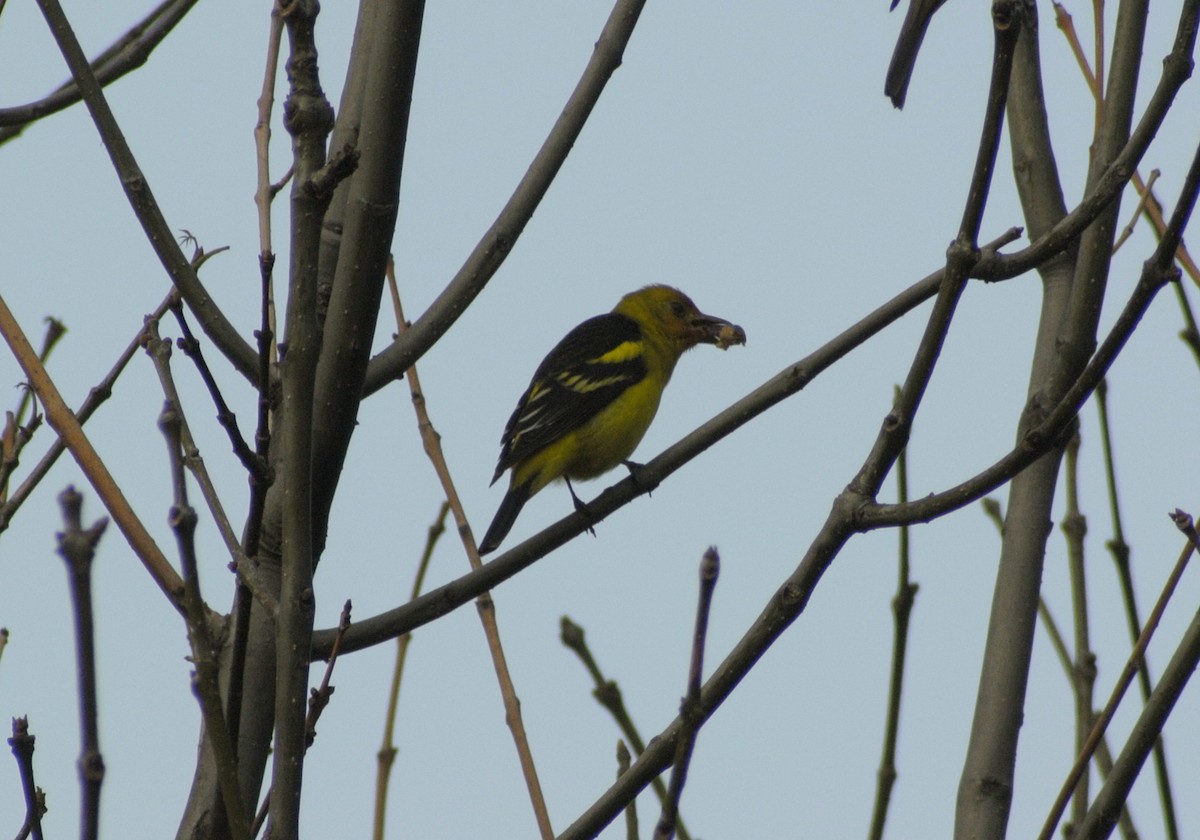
(485, 605)
(500, 238)
(788, 382)
(126, 54)
(137, 190)
(95, 398)
(63, 420)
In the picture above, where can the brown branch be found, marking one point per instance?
(1146, 732)
(95, 398)
(484, 603)
(64, 422)
(386, 756)
(1136, 657)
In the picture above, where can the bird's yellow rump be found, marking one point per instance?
(593, 397)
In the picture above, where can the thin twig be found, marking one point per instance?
(489, 254)
(902, 604)
(1136, 658)
(63, 421)
(1120, 551)
(126, 54)
(95, 398)
(1190, 334)
(1074, 526)
(608, 694)
(1148, 728)
(631, 815)
(225, 416)
(206, 681)
(77, 546)
(22, 749)
(319, 697)
(141, 198)
(484, 603)
(1144, 197)
(386, 756)
(13, 440)
(264, 194)
(159, 351)
(17, 433)
(55, 330)
(690, 712)
(318, 700)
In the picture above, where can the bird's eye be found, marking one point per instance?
(678, 309)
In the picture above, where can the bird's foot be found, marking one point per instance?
(635, 472)
(582, 509)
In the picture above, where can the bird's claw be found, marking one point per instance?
(582, 509)
(635, 470)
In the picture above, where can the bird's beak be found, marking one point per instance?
(710, 330)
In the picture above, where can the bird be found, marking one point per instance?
(904, 58)
(594, 395)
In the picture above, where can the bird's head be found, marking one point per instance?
(677, 319)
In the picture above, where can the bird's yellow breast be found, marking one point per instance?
(611, 436)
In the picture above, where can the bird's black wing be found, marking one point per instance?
(584, 373)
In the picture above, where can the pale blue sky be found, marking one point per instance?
(744, 153)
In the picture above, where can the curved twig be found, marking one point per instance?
(137, 190)
(125, 55)
(500, 238)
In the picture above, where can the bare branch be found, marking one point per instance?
(484, 604)
(35, 803)
(500, 238)
(690, 711)
(206, 685)
(77, 546)
(63, 421)
(141, 199)
(126, 54)
(1170, 687)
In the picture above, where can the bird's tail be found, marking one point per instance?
(502, 522)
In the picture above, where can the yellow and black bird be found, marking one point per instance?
(593, 397)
